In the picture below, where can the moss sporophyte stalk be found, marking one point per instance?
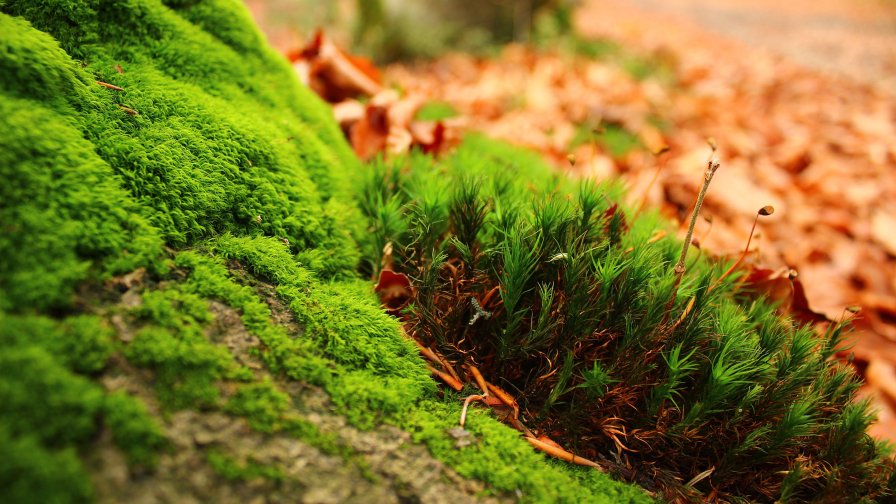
(187, 242)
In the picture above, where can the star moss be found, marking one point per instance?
(556, 292)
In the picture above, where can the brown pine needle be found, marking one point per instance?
(128, 110)
(447, 378)
(477, 377)
(554, 451)
(109, 86)
(506, 398)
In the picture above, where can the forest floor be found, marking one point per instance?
(801, 99)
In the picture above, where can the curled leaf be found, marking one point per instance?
(782, 287)
(394, 290)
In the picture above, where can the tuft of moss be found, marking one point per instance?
(194, 143)
(234, 470)
(261, 403)
(568, 299)
(133, 429)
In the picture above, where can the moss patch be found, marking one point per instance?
(235, 470)
(126, 127)
(167, 137)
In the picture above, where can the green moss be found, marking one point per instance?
(62, 208)
(83, 343)
(499, 457)
(48, 409)
(262, 404)
(41, 398)
(234, 470)
(186, 366)
(210, 278)
(348, 344)
(133, 429)
(30, 472)
(173, 344)
(91, 190)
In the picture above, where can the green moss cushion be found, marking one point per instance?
(129, 130)
(199, 129)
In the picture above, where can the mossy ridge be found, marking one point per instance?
(201, 139)
(209, 133)
(580, 330)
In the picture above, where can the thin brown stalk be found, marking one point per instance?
(711, 166)
(766, 210)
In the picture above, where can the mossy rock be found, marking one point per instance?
(186, 311)
(179, 266)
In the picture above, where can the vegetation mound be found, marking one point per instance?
(556, 293)
(179, 260)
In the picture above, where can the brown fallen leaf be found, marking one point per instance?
(882, 375)
(883, 230)
(332, 73)
(394, 290)
(782, 286)
(368, 135)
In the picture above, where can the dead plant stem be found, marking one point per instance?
(711, 166)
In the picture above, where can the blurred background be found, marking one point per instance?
(394, 30)
(800, 97)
